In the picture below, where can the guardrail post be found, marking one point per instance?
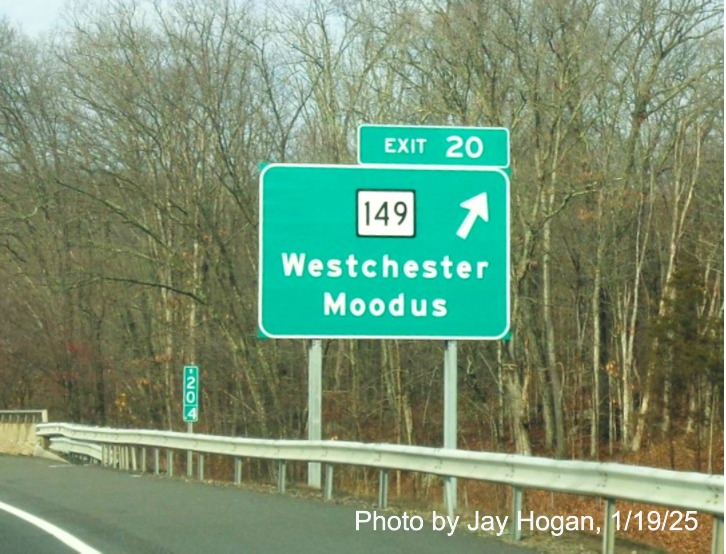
(44, 442)
(143, 459)
(156, 461)
(237, 471)
(383, 488)
(608, 539)
(328, 481)
(190, 463)
(281, 469)
(134, 466)
(200, 466)
(450, 495)
(169, 462)
(717, 542)
(517, 505)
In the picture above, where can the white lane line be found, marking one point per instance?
(63, 536)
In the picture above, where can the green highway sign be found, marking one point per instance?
(431, 145)
(383, 252)
(190, 392)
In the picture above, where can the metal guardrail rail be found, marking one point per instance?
(72, 447)
(610, 481)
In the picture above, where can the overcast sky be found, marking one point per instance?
(33, 16)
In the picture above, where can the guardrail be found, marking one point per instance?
(76, 448)
(609, 481)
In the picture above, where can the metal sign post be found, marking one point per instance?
(450, 418)
(190, 397)
(315, 401)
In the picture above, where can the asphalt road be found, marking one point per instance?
(117, 512)
(18, 536)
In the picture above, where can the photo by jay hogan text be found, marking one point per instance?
(526, 521)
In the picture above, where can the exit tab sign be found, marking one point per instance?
(433, 145)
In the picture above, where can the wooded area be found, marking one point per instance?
(129, 148)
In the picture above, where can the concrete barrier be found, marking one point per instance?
(17, 431)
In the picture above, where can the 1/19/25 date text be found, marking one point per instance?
(653, 520)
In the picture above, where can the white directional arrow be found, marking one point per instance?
(478, 206)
